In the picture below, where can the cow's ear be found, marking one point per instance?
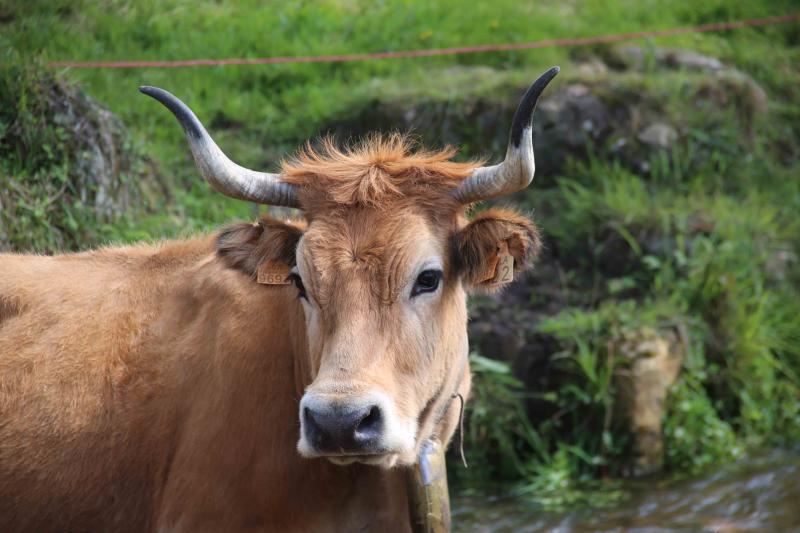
(494, 247)
(250, 248)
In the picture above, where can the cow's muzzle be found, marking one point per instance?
(346, 428)
(342, 429)
(331, 426)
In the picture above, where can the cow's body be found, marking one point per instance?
(151, 387)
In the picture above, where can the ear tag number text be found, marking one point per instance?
(273, 273)
(504, 271)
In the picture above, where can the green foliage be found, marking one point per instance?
(695, 435)
(556, 485)
(502, 443)
(54, 147)
(586, 421)
(277, 106)
(717, 259)
(187, 212)
(705, 238)
(499, 433)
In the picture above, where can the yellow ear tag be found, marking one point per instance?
(504, 268)
(273, 273)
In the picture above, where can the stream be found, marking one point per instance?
(756, 493)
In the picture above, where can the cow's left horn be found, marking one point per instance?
(516, 171)
(223, 174)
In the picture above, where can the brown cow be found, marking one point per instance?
(164, 387)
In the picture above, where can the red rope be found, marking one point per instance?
(545, 43)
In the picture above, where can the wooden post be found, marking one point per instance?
(429, 499)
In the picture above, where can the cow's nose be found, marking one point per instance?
(343, 429)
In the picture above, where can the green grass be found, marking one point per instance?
(261, 113)
(264, 111)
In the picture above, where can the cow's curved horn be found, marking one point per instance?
(223, 174)
(516, 171)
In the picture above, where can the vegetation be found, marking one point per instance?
(703, 235)
(67, 167)
(704, 240)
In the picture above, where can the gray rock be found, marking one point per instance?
(637, 57)
(652, 362)
(658, 135)
(592, 68)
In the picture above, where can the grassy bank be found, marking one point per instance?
(701, 235)
(262, 112)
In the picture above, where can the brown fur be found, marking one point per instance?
(378, 171)
(156, 387)
(245, 246)
(477, 243)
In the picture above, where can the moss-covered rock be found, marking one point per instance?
(630, 109)
(67, 165)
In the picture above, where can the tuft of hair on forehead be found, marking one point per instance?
(378, 171)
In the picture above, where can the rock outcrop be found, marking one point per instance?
(651, 362)
(67, 164)
(615, 104)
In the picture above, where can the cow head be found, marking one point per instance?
(381, 266)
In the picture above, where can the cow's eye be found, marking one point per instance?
(298, 282)
(427, 281)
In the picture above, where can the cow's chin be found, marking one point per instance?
(387, 460)
(382, 460)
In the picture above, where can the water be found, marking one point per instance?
(755, 494)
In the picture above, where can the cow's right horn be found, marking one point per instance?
(223, 174)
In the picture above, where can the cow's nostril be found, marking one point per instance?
(370, 426)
